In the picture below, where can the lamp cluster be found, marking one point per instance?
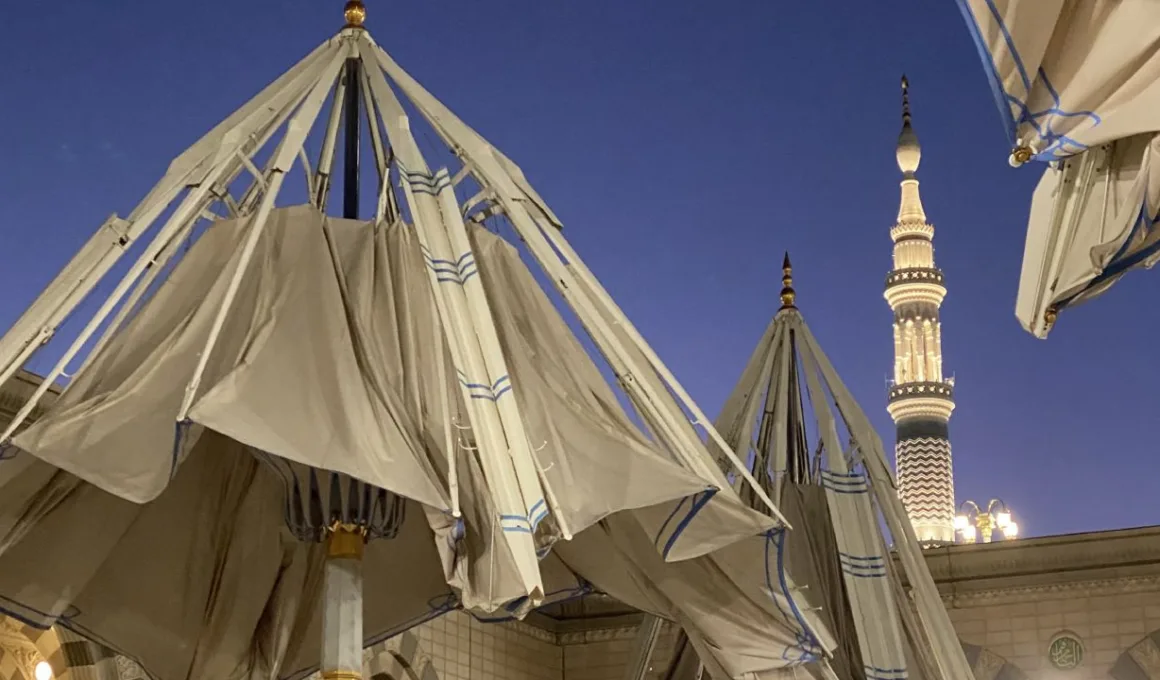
(973, 523)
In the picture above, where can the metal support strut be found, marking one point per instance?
(351, 139)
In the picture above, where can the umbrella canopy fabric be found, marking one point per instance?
(263, 374)
(811, 443)
(1078, 87)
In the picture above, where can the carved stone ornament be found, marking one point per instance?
(988, 665)
(127, 669)
(1147, 656)
(1065, 651)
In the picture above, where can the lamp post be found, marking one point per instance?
(972, 521)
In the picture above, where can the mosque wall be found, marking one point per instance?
(1077, 607)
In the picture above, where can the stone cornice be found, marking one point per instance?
(1104, 562)
(1033, 593)
(580, 630)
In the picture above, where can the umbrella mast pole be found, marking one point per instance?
(342, 607)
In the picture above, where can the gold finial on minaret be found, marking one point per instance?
(905, 100)
(355, 13)
(908, 153)
(788, 295)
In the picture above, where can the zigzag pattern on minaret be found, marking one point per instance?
(925, 479)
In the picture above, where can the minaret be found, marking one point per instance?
(921, 399)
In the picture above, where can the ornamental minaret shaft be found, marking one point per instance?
(921, 399)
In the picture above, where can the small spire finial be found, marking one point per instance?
(788, 295)
(355, 13)
(908, 152)
(905, 100)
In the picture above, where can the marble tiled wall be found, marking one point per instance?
(462, 648)
(605, 655)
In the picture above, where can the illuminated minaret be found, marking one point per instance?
(921, 399)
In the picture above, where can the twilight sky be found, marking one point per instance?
(685, 145)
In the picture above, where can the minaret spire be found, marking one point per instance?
(921, 399)
(905, 101)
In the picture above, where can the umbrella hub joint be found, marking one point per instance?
(1049, 317)
(1020, 155)
(345, 541)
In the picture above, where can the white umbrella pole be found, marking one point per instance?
(342, 605)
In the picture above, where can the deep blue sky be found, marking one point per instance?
(686, 145)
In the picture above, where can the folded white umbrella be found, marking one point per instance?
(1077, 83)
(813, 449)
(296, 433)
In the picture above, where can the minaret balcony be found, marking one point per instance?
(921, 400)
(939, 390)
(914, 275)
(914, 284)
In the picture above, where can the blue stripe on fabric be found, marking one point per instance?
(665, 524)
(1058, 146)
(538, 512)
(699, 500)
(844, 482)
(698, 504)
(869, 566)
(490, 392)
(428, 184)
(529, 523)
(808, 647)
(447, 271)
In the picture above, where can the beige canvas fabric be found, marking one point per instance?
(738, 602)
(837, 549)
(285, 376)
(332, 362)
(1093, 219)
(1078, 85)
(1073, 74)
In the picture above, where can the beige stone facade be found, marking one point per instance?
(1096, 596)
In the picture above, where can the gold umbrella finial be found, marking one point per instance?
(788, 295)
(355, 13)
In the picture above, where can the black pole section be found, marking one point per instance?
(351, 137)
